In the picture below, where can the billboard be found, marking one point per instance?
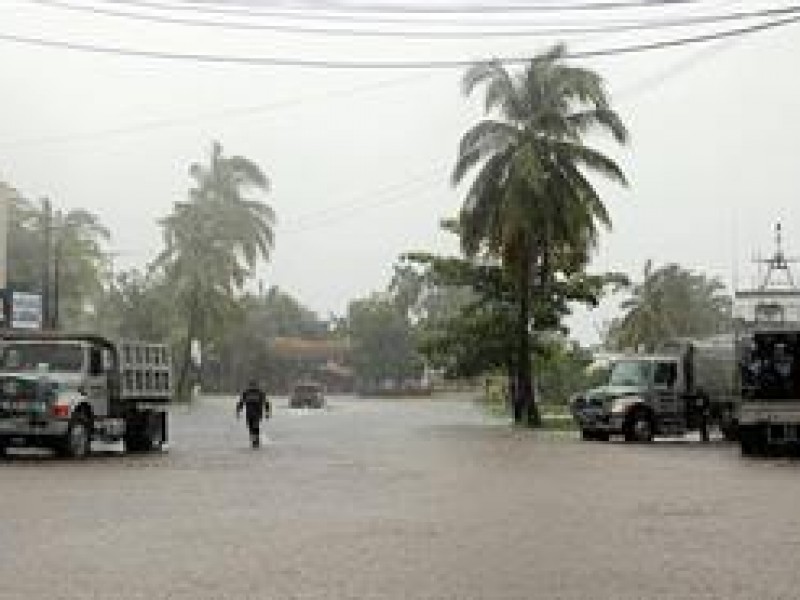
(26, 310)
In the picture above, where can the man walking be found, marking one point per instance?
(256, 407)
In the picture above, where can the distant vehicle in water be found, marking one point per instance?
(307, 395)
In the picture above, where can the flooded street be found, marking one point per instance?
(398, 499)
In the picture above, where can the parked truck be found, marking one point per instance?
(769, 365)
(63, 390)
(686, 385)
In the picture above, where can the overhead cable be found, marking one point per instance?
(226, 11)
(406, 8)
(432, 34)
(275, 61)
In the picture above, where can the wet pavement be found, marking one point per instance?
(398, 499)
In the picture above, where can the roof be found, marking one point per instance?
(25, 335)
(309, 348)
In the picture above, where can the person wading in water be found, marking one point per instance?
(256, 407)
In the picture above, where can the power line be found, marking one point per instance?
(245, 111)
(649, 83)
(429, 34)
(318, 15)
(228, 112)
(421, 9)
(399, 188)
(361, 65)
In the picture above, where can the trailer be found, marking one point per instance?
(770, 389)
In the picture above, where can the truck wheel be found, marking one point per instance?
(590, 435)
(638, 427)
(144, 432)
(77, 442)
(753, 441)
(728, 426)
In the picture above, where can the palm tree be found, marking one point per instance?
(213, 243)
(530, 202)
(670, 302)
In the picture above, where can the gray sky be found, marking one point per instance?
(360, 159)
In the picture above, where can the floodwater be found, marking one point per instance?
(397, 499)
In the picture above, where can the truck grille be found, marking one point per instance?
(19, 397)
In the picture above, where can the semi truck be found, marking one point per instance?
(687, 386)
(769, 364)
(64, 390)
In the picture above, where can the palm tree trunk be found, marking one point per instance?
(191, 328)
(513, 400)
(525, 411)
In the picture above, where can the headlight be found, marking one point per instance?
(621, 405)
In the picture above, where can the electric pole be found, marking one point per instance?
(5, 211)
(47, 253)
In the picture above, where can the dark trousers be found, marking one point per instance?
(254, 427)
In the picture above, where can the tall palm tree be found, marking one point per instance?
(213, 243)
(530, 202)
(225, 185)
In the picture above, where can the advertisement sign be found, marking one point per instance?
(26, 311)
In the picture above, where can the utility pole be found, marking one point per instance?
(47, 253)
(5, 210)
(59, 246)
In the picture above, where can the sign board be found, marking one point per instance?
(26, 310)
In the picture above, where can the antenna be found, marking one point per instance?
(777, 262)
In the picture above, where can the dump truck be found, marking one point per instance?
(64, 390)
(687, 384)
(769, 364)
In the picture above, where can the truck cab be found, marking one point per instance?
(643, 396)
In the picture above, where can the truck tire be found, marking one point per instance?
(144, 432)
(77, 442)
(590, 435)
(753, 440)
(638, 426)
(728, 425)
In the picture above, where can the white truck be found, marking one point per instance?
(769, 365)
(63, 390)
(687, 385)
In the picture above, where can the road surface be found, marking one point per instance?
(398, 499)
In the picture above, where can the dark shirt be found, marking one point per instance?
(255, 404)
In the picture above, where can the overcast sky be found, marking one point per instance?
(360, 160)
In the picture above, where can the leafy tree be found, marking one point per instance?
(563, 369)
(139, 306)
(245, 349)
(670, 302)
(382, 344)
(77, 266)
(476, 333)
(213, 242)
(530, 203)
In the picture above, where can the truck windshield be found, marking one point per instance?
(28, 357)
(630, 373)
